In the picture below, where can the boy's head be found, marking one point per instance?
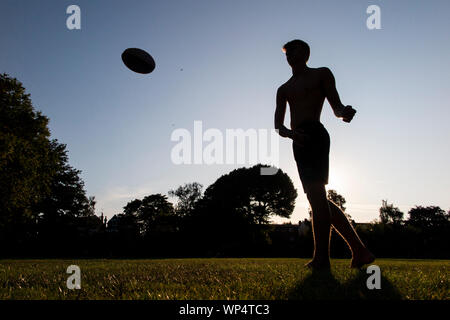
(297, 52)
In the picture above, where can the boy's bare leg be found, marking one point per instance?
(360, 254)
(324, 215)
(321, 225)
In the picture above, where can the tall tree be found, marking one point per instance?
(36, 182)
(26, 161)
(390, 214)
(188, 195)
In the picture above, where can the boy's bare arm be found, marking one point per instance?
(280, 112)
(298, 137)
(329, 85)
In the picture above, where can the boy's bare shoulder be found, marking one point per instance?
(324, 72)
(285, 85)
(282, 88)
(321, 70)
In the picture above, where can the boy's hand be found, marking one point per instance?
(300, 138)
(348, 113)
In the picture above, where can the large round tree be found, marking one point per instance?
(252, 196)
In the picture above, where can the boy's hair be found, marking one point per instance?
(297, 43)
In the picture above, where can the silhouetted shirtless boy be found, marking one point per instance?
(306, 91)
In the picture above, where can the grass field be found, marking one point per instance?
(223, 279)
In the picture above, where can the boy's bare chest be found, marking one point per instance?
(303, 87)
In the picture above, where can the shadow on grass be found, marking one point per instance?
(322, 285)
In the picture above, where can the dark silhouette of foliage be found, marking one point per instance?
(188, 195)
(67, 195)
(41, 195)
(149, 211)
(252, 196)
(390, 214)
(124, 224)
(231, 217)
(26, 164)
(336, 198)
(428, 217)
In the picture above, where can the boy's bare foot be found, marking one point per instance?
(362, 258)
(316, 265)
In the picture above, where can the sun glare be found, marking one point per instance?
(337, 181)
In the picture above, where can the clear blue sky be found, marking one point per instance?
(117, 124)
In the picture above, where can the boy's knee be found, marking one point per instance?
(316, 192)
(317, 196)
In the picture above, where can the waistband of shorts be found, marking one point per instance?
(309, 124)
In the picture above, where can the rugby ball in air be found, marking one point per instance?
(138, 60)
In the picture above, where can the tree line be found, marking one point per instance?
(45, 212)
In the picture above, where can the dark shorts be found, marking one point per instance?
(313, 158)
